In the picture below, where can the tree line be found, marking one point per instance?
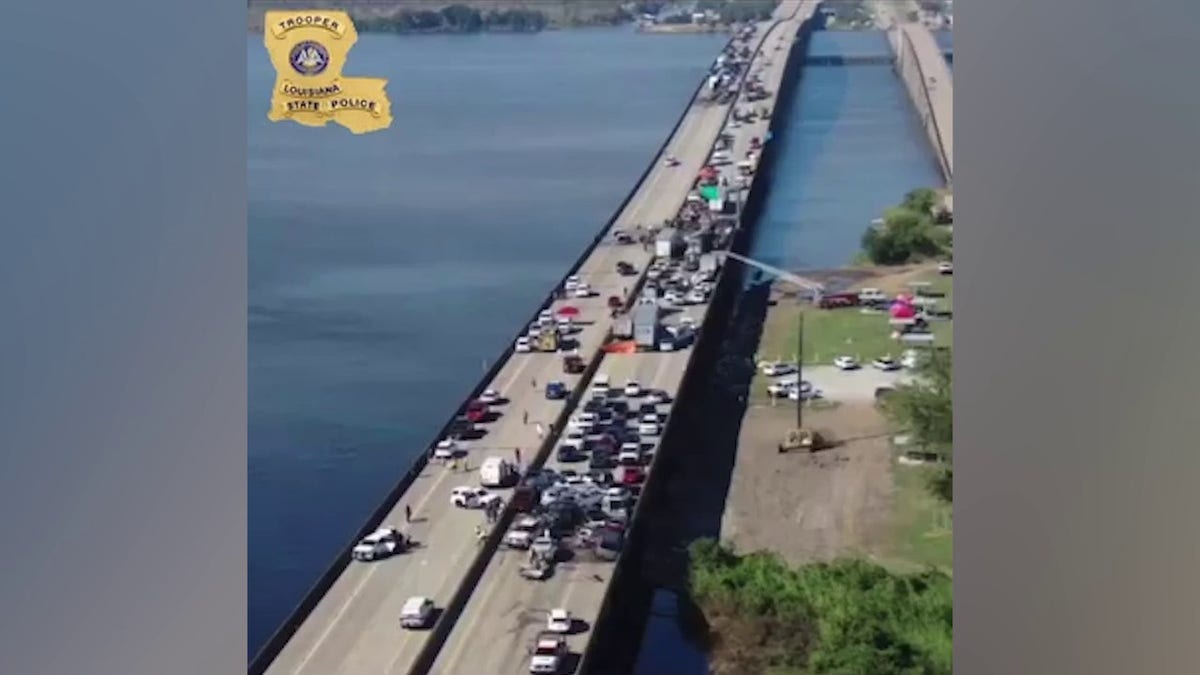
(456, 19)
(847, 616)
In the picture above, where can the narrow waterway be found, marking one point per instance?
(851, 147)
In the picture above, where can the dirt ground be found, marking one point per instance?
(812, 506)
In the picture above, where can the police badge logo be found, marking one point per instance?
(309, 58)
(314, 44)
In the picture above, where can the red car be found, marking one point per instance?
(477, 411)
(632, 475)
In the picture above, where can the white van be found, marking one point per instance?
(417, 612)
(871, 295)
(496, 472)
(720, 157)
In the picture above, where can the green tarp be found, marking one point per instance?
(710, 192)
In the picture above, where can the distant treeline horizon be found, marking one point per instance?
(398, 16)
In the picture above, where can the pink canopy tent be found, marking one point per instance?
(902, 310)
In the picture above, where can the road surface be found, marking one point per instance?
(506, 611)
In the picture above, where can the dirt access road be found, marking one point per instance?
(818, 506)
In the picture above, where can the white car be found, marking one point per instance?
(547, 656)
(490, 397)
(545, 316)
(780, 389)
(696, 297)
(382, 543)
(521, 534)
(656, 396)
(582, 291)
(571, 282)
(798, 393)
(886, 363)
(546, 546)
(633, 389)
(523, 345)
(466, 497)
(673, 297)
(559, 621)
(945, 267)
(575, 438)
(648, 425)
(846, 363)
(777, 368)
(584, 422)
(445, 449)
(871, 295)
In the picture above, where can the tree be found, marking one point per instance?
(925, 410)
(921, 200)
(847, 616)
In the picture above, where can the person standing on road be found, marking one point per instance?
(533, 382)
(407, 513)
(525, 417)
(517, 456)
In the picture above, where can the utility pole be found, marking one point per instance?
(800, 372)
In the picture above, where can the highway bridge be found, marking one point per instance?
(921, 65)
(488, 614)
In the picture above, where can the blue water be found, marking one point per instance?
(851, 147)
(386, 269)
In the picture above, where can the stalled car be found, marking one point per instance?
(556, 391)
(466, 497)
(417, 612)
(382, 543)
(547, 654)
(559, 621)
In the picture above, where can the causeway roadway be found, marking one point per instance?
(506, 612)
(354, 628)
(925, 73)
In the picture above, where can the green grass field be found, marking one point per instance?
(829, 333)
(922, 525)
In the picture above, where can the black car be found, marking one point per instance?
(602, 477)
(602, 459)
(569, 453)
(625, 269)
(647, 409)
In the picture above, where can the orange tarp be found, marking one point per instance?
(623, 347)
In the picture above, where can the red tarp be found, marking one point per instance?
(569, 310)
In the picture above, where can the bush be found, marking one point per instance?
(908, 233)
(849, 616)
